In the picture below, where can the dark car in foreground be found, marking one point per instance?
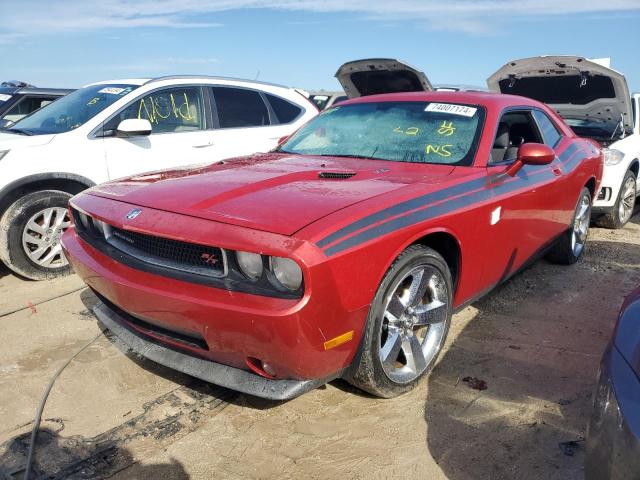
(613, 438)
(19, 99)
(345, 251)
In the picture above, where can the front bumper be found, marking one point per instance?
(607, 196)
(223, 375)
(613, 437)
(224, 327)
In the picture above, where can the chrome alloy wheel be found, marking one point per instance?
(41, 237)
(581, 225)
(627, 200)
(414, 324)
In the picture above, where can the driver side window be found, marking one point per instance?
(514, 129)
(171, 110)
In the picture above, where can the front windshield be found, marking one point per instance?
(73, 110)
(416, 132)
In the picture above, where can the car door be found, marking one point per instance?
(247, 121)
(179, 135)
(528, 209)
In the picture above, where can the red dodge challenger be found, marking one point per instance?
(344, 252)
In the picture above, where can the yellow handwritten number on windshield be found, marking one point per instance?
(447, 129)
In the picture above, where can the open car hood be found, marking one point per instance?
(575, 87)
(372, 76)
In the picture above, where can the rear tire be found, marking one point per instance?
(30, 233)
(622, 211)
(568, 249)
(407, 324)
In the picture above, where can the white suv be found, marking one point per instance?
(117, 128)
(595, 101)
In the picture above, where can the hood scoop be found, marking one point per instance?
(336, 175)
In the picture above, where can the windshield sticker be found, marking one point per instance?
(441, 150)
(112, 90)
(93, 101)
(409, 131)
(4, 97)
(447, 129)
(451, 108)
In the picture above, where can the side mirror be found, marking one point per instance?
(531, 154)
(536, 154)
(133, 127)
(4, 123)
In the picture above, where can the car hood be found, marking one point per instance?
(9, 141)
(278, 193)
(575, 87)
(373, 76)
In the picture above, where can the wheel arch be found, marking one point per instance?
(446, 244)
(66, 182)
(634, 166)
(591, 185)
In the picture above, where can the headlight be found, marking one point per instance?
(3, 153)
(287, 272)
(612, 156)
(250, 264)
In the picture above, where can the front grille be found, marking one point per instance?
(163, 252)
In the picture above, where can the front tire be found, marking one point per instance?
(30, 232)
(407, 324)
(622, 211)
(568, 249)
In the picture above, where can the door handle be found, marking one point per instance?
(204, 145)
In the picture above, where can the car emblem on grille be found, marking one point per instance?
(209, 258)
(133, 213)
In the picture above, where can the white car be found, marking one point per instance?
(595, 101)
(117, 128)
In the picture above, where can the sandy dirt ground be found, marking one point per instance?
(536, 342)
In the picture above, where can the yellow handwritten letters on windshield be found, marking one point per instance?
(162, 107)
(442, 150)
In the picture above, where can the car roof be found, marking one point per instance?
(190, 78)
(486, 99)
(44, 91)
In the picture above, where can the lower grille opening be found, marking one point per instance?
(188, 340)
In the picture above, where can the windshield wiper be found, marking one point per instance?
(18, 131)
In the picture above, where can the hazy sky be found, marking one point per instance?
(302, 42)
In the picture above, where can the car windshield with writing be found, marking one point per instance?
(415, 132)
(73, 110)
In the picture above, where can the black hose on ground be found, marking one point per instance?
(38, 418)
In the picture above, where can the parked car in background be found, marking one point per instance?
(324, 100)
(117, 128)
(594, 100)
(613, 437)
(343, 252)
(19, 99)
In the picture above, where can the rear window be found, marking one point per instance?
(286, 112)
(561, 89)
(238, 107)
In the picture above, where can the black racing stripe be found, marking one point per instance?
(416, 203)
(432, 212)
(403, 207)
